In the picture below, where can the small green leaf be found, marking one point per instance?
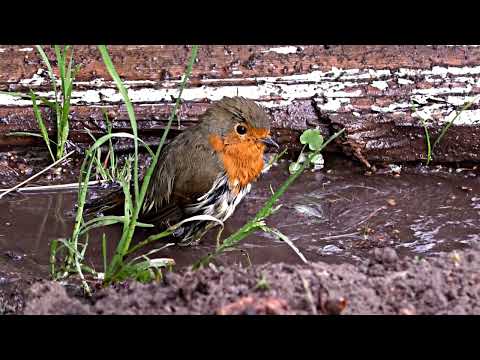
(313, 138)
(294, 167)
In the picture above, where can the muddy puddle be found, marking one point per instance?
(336, 215)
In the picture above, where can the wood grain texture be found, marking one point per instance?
(369, 90)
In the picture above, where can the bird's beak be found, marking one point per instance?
(269, 141)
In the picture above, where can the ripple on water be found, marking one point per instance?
(311, 211)
(339, 216)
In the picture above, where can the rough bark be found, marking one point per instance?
(369, 90)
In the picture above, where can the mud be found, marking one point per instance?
(340, 218)
(385, 284)
(19, 163)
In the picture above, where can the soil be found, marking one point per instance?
(385, 284)
(401, 241)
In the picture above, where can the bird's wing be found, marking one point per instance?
(187, 169)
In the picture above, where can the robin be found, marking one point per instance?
(206, 170)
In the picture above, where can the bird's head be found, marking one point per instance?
(235, 121)
(239, 130)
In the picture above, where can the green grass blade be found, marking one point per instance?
(131, 113)
(68, 88)
(53, 257)
(104, 252)
(124, 243)
(149, 240)
(51, 74)
(68, 77)
(74, 260)
(99, 167)
(427, 134)
(61, 66)
(64, 122)
(106, 221)
(111, 151)
(98, 160)
(124, 179)
(103, 139)
(84, 249)
(41, 124)
(25, 133)
(49, 67)
(429, 147)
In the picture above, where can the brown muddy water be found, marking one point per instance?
(335, 215)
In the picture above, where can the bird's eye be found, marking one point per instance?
(241, 130)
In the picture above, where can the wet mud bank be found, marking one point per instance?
(385, 284)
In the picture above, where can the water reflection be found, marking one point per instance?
(335, 217)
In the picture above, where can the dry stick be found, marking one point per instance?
(36, 175)
(57, 187)
(337, 236)
(294, 248)
(308, 294)
(372, 214)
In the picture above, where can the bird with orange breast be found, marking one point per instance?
(206, 170)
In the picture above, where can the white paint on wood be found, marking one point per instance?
(466, 117)
(402, 81)
(454, 45)
(7, 100)
(461, 100)
(430, 112)
(331, 90)
(381, 85)
(283, 50)
(391, 108)
(36, 80)
(333, 105)
(443, 90)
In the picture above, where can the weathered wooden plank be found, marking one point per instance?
(369, 90)
(164, 62)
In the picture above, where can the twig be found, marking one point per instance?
(36, 175)
(361, 187)
(287, 241)
(338, 236)
(57, 187)
(308, 294)
(372, 214)
(244, 252)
